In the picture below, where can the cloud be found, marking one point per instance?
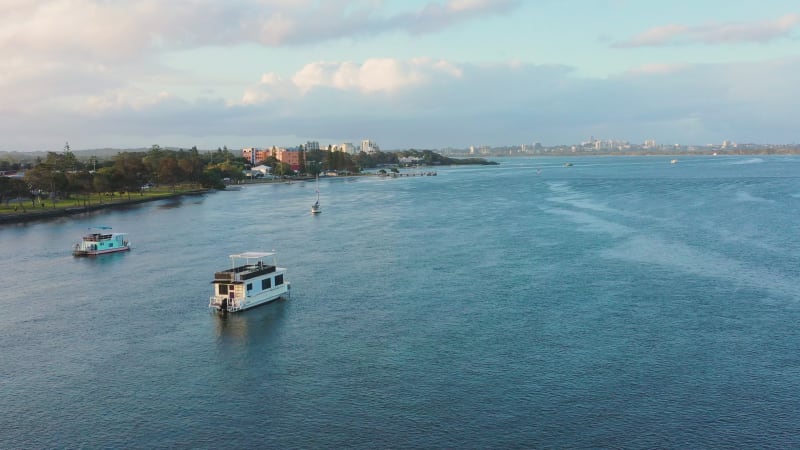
(62, 51)
(115, 30)
(385, 75)
(512, 103)
(722, 33)
(656, 68)
(91, 72)
(656, 36)
(433, 104)
(436, 16)
(424, 103)
(374, 76)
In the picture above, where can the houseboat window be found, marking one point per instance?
(278, 280)
(249, 286)
(223, 289)
(266, 283)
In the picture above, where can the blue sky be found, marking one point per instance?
(406, 74)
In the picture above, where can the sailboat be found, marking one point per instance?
(315, 208)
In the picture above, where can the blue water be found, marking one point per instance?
(623, 302)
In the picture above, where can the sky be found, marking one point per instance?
(424, 74)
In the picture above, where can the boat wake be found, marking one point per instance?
(748, 161)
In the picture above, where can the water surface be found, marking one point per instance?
(620, 302)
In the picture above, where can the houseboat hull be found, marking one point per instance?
(226, 304)
(78, 252)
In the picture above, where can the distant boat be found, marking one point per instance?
(674, 161)
(316, 208)
(568, 164)
(101, 242)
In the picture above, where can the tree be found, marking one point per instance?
(80, 182)
(302, 160)
(212, 178)
(101, 180)
(152, 161)
(169, 171)
(131, 171)
(9, 189)
(14, 188)
(191, 165)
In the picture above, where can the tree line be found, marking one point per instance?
(63, 175)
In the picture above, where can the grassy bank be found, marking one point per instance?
(27, 210)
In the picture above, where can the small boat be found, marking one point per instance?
(569, 164)
(674, 161)
(250, 281)
(101, 242)
(315, 208)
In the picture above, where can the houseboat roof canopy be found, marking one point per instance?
(253, 255)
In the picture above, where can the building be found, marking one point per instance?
(348, 148)
(290, 157)
(255, 155)
(312, 145)
(262, 170)
(368, 146)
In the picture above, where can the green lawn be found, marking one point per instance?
(81, 200)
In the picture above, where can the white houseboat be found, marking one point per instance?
(250, 281)
(101, 242)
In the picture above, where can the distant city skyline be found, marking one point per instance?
(401, 74)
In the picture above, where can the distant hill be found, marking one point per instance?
(102, 153)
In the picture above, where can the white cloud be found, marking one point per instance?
(121, 101)
(385, 75)
(373, 76)
(277, 29)
(716, 33)
(659, 35)
(468, 5)
(656, 69)
(113, 30)
(93, 68)
(434, 103)
(75, 52)
(427, 103)
(434, 16)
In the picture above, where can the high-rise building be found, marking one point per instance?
(348, 148)
(368, 146)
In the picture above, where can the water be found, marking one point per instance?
(621, 302)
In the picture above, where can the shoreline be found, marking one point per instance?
(41, 214)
